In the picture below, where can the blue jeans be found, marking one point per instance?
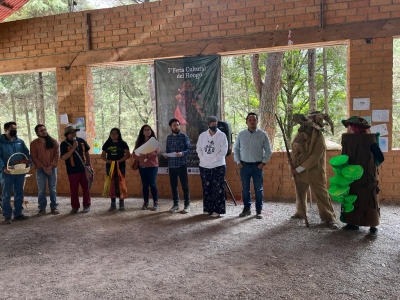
(148, 176)
(41, 179)
(252, 171)
(8, 182)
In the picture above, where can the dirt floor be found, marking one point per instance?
(157, 255)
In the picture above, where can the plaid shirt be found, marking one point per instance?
(178, 143)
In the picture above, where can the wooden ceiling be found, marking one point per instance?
(8, 7)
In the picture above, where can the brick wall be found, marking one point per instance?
(278, 183)
(170, 21)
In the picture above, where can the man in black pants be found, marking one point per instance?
(178, 145)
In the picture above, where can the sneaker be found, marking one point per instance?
(332, 225)
(259, 215)
(155, 208)
(74, 211)
(41, 212)
(373, 232)
(186, 210)
(206, 213)
(215, 215)
(86, 209)
(350, 227)
(54, 211)
(174, 209)
(21, 217)
(245, 212)
(145, 206)
(7, 221)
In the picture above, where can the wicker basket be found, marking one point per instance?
(15, 171)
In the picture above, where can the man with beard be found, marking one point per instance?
(178, 145)
(45, 154)
(10, 144)
(75, 152)
(309, 170)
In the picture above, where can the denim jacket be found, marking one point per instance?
(8, 148)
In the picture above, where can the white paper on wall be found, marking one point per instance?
(361, 103)
(380, 115)
(381, 128)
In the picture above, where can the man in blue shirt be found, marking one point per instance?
(252, 150)
(10, 144)
(178, 144)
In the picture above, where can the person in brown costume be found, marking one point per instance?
(362, 148)
(309, 166)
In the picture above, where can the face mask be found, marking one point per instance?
(213, 128)
(13, 132)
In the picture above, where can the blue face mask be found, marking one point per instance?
(213, 128)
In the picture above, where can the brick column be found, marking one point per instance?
(370, 75)
(75, 98)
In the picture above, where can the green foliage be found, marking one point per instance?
(122, 99)
(23, 88)
(40, 8)
(240, 95)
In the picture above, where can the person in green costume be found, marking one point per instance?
(362, 148)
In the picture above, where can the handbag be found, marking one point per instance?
(88, 169)
(107, 182)
(135, 164)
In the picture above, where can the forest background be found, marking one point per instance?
(296, 81)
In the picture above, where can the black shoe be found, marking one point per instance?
(351, 227)
(7, 221)
(112, 207)
(121, 205)
(74, 211)
(259, 215)
(21, 217)
(145, 206)
(373, 232)
(246, 212)
(86, 209)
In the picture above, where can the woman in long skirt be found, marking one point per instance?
(212, 147)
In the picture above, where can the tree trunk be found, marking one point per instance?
(270, 91)
(311, 80)
(28, 122)
(119, 103)
(13, 108)
(255, 70)
(152, 89)
(325, 70)
(41, 116)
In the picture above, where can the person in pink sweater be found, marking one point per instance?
(148, 167)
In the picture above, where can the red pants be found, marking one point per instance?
(74, 181)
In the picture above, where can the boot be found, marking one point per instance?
(121, 205)
(113, 205)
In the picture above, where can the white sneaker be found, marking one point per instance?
(186, 210)
(214, 215)
(174, 209)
